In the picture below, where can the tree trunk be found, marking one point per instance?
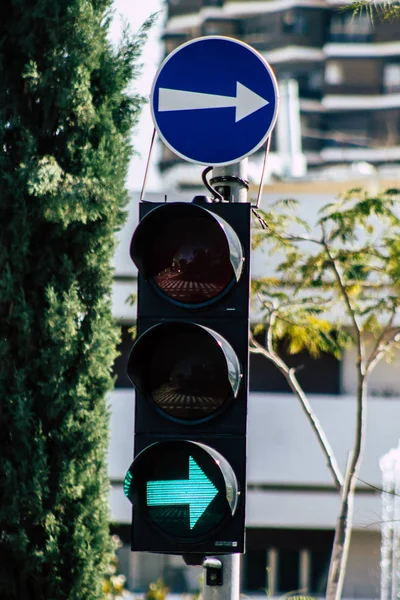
(341, 543)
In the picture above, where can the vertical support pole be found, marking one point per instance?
(272, 571)
(231, 182)
(289, 130)
(305, 566)
(230, 588)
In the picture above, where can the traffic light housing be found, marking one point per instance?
(189, 366)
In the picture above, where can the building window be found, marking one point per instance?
(288, 571)
(256, 571)
(316, 375)
(347, 28)
(295, 23)
(391, 78)
(319, 568)
(211, 28)
(281, 561)
(334, 73)
(314, 80)
(219, 27)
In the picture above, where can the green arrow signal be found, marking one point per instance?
(127, 484)
(197, 491)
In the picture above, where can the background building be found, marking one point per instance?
(344, 97)
(347, 70)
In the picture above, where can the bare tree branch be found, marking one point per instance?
(290, 376)
(342, 538)
(380, 350)
(350, 309)
(363, 278)
(381, 337)
(341, 542)
(299, 238)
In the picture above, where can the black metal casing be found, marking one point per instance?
(225, 431)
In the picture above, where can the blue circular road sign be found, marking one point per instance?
(214, 100)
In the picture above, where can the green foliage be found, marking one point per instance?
(65, 121)
(157, 591)
(388, 10)
(347, 265)
(113, 582)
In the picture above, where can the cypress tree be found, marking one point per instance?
(65, 123)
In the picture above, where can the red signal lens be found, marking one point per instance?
(191, 255)
(189, 371)
(190, 262)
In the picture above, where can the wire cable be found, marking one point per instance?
(147, 165)
(216, 195)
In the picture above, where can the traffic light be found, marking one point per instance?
(189, 366)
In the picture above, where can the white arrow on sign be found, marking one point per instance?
(246, 102)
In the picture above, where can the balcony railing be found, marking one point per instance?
(350, 38)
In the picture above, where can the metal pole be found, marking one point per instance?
(231, 181)
(230, 588)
